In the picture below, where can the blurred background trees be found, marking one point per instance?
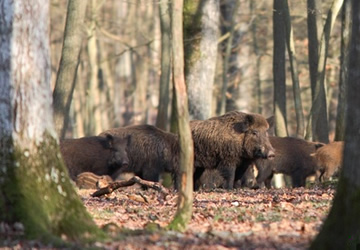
(124, 56)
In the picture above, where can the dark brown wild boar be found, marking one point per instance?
(151, 152)
(329, 159)
(99, 155)
(293, 158)
(224, 142)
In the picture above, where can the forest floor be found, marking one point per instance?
(238, 219)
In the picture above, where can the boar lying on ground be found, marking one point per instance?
(329, 159)
(224, 142)
(151, 152)
(88, 180)
(293, 158)
(99, 155)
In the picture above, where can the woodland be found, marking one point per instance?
(75, 68)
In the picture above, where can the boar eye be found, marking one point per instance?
(255, 132)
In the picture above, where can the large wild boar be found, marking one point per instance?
(293, 158)
(224, 142)
(151, 152)
(329, 159)
(99, 155)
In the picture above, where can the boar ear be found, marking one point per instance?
(271, 121)
(242, 127)
(319, 145)
(110, 140)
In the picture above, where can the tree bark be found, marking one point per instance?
(66, 77)
(35, 188)
(344, 64)
(279, 69)
(341, 230)
(294, 71)
(163, 108)
(318, 127)
(201, 32)
(185, 200)
(226, 61)
(93, 124)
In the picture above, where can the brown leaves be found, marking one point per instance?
(276, 218)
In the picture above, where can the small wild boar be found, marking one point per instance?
(293, 158)
(99, 155)
(225, 141)
(89, 180)
(329, 159)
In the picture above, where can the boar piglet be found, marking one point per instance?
(329, 159)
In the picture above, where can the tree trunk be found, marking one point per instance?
(318, 121)
(279, 77)
(163, 108)
(226, 61)
(294, 71)
(315, 24)
(341, 229)
(66, 77)
(279, 70)
(201, 32)
(35, 188)
(185, 200)
(344, 64)
(93, 96)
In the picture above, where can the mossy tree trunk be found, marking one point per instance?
(201, 33)
(185, 200)
(35, 189)
(341, 230)
(66, 76)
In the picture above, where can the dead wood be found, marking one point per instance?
(118, 184)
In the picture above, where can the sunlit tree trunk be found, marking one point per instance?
(185, 199)
(201, 32)
(318, 127)
(66, 77)
(344, 62)
(164, 96)
(341, 230)
(35, 188)
(93, 124)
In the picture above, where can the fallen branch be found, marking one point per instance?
(118, 184)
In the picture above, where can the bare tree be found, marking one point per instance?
(162, 116)
(66, 77)
(35, 188)
(201, 32)
(185, 200)
(294, 71)
(318, 120)
(344, 62)
(341, 228)
(279, 69)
